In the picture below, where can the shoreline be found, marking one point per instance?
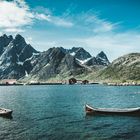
(61, 83)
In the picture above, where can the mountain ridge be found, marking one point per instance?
(20, 60)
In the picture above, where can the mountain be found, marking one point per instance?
(126, 67)
(79, 53)
(4, 41)
(20, 60)
(55, 62)
(15, 53)
(100, 60)
(60, 63)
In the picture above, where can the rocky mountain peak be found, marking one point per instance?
(4, 41)
(74, 49)
(102, 58)
(19, 41)
(101, 55)
(14, 54)
(79, 53)
(19, 37)
(4, 36)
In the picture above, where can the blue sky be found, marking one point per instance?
(112, 26)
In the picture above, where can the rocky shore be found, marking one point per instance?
(124, 84)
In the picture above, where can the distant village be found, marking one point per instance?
(71, 81)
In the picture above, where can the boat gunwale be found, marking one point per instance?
(5, 112)
(111, 110)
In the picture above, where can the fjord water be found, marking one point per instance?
(57, 112)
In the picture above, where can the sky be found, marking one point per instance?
(112, 26)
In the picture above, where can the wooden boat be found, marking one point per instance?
(5, 112)
(92, 110)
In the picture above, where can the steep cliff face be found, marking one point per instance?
(4, 41)
(55, 62)
(14, 55)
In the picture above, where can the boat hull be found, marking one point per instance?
(131, 111)
(5, 112)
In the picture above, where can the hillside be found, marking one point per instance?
(126, 67)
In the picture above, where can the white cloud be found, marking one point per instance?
(103, 27)
(17, 14)
(14, 15)
(89, 30)
(14, 30)
(92, 22)
(114, 44)
(42, 17)
(60, 21)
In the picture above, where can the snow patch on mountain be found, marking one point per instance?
(73, 53)
(83, 61)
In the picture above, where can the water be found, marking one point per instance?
(57, 113)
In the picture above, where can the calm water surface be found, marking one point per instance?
(57, 113)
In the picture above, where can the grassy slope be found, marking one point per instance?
(124, 68)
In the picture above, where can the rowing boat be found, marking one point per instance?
(92, 110)
(5, 112)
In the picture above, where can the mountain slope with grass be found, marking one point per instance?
(126, 67)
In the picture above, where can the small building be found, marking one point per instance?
(85, 82)
(72, 81)
(9, 81)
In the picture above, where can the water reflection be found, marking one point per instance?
(7, 117)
